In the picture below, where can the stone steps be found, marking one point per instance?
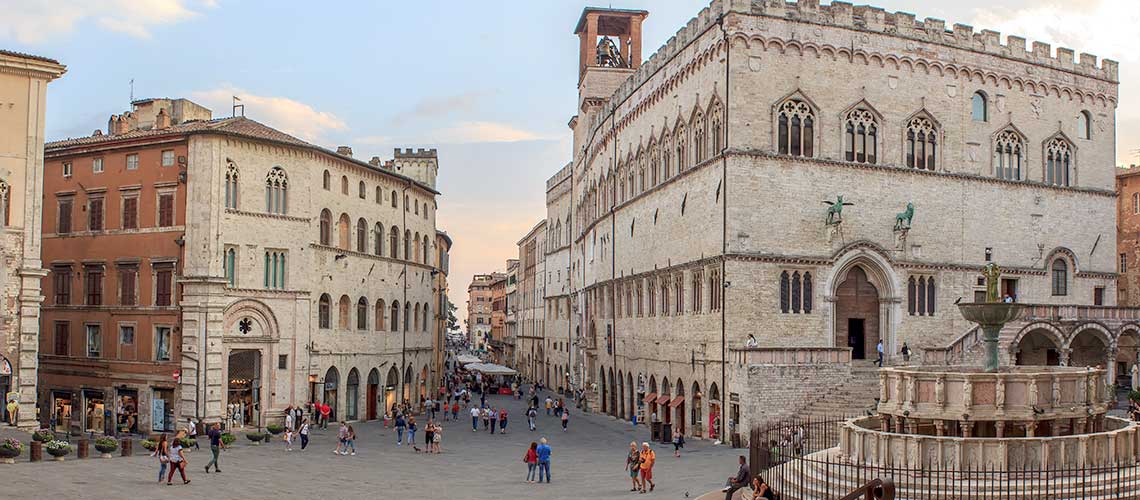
(851, 397)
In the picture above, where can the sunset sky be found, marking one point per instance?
(490, 84)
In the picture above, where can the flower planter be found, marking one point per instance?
(104, 455)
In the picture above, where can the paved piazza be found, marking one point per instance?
(587, 462)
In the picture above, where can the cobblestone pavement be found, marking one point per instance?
(587, 462)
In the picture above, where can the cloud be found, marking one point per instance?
(34, 21)
(288, 115)
(479, 131)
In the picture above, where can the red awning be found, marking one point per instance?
(663, 399)
(649, 398)
(677, 401)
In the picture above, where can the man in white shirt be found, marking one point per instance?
(475, 413)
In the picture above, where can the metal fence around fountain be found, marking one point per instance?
(791, 455)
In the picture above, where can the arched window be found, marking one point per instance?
(407, 245)
(700, 147)
(861, 136)
(276, 191)
(395, 319)
(1060, 277)
(796, 292)
(363, 191)
(426, 247)
(1058, 162)
(380, 315)
(1084, 125)
(378, 240)
(407, 318)
(379, 195)
(394, 242)
(231, 266)
(920, 294)
(231, 186)
(1136, 203)
(344, 184)
(930, 296)
(921, 144)
(979, 108)
(664, 296)
(361, 236)
(326, 227)
(796, 128)
(362, 314)
(785, 292)
(654, 164)
(418, 251)
(807, 293)
(681, 143)
(323, 311)
(343, 226)
(715, 131)
(424, 324)
(395, 201)
(416, 317)
(1009, 155)
(327, 180)
(343, 311)
(911, 299)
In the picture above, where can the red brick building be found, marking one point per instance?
(1128, 236)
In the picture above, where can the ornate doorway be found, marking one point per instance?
(243, 396)
(857, 314)
(373, 394)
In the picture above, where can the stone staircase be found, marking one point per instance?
(851, 397)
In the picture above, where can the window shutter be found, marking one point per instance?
(130, 213)
(95, 214)
(165, 210)
(64, 226)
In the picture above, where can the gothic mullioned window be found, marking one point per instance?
(795, 128)
(681, 146)
(1058, 162)
(920, 295)
(654, 164)
(715, 129)
(921, 144)
(700, 146)
(1009, 155)
(795, 292)
(861, 136)
(276, 191)
(231, 186)
(378, 240)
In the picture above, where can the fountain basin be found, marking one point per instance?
(990, 313)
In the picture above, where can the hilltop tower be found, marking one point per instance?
(609, 52)
(421, 164)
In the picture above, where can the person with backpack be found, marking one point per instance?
(401, 424)
(531, 415)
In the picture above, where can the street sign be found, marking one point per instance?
(177, 375)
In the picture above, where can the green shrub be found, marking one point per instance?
(275, 429)
(149, 444)
(106, 444)
(58, 448)
(228, 438)
(43, 436)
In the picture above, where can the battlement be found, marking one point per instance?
(903, 24)
(559, 176)
(418, 153)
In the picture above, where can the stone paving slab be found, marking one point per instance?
(587, 462)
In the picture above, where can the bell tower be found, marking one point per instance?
(609, 52)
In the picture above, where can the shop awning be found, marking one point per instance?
(467, 359)
(663, 399)
(491, 369)
(677, 401)
(650, 398)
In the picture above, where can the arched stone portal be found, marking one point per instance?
(244, 398)
(1089, 347)
(390, 388)
(857, 317)
(1037, 347)
(373, 394)
(332, 382)
(1127, 355)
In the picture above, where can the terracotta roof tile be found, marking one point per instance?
(29, 56)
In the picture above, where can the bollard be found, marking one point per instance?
(125, 447)
(83, 449)
(36, 451)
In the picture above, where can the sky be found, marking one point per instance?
(492, 85)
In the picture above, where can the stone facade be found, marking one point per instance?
(531, 348)
(695, 215)
(23, 95)
(479, 311)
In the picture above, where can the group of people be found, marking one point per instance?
(492, 419)
(171, 455)
(640, 464)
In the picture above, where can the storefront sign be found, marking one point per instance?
(157, 413)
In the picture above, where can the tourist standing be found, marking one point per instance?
(905, 353)
(325, 412)
(486, 417)
(475, 419)
(162, 451)
(412, 431)
(543, 452)
(350, 442)
(455, 410)
(437, 438)
(289, 418)
(304, 432)
(216, 446)
(633, 465)
(494, 419)
(192, 431)
(565, 418)
(401, 425)
(879, 348)
(738, 481)
(531, 461)
(429, 435)
(549, 405)
(502, 420)
(288, 439)
(341, 439)
(177, 461)
(678, 442)
(531, 414)
(648, 459)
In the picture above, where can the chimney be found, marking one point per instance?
(344, 151)
(117, 125)
(375, 161)
(162, 120)
(97, 133)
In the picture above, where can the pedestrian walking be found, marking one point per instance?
(342, 439)
(543, 452)
(565, 418)
(455, 410)
(531, 461)
(350, 442)
(162, 453)
(486, 417)
(289, 418)
(429, 435)
(437, 438)
(494, 419)
(288, 439)
(475, 419)
(216, 446)
(549, 405)
(412, 432)
(531, 414)
(678, 442)
(648, 458)
(502, 420)
(879, 348)
(401, 425)
(633, 465)
(192, 432)
(304, 432)
(178, 461)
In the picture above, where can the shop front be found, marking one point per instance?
(61, 403)
(127, 411)
(162, 410)
(94, 412)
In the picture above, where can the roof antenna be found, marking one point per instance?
(132, 90)
(236, 106)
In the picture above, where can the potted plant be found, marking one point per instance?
(10, 449)
(58, 449)
(1134, 395)
(275, 429)
(149, 444)
(43, 436)
(186, 443)
(106, 446)
(255, 437)
(228, 438)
